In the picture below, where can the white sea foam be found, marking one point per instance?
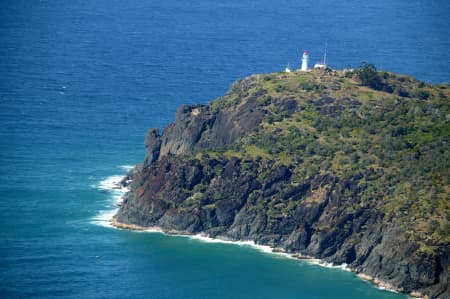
(111, 183)
(204, 238)
(207, 239)
(103, 218)
(325, 264)
(115, 190)
(126, 167)
(388, 289)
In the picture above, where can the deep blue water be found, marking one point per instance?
(81, 82)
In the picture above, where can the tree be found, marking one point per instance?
(368, 75)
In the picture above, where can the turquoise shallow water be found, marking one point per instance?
(81, 82)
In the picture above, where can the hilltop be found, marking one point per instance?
(329, 164)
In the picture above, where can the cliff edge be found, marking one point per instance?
(313, 163)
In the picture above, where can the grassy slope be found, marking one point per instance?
(400, 136)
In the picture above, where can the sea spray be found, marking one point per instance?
(277, 252)
(115, 189)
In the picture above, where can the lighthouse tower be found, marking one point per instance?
(305, 60)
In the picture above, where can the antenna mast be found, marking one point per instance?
(325, 53)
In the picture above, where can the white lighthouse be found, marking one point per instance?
(305, 60)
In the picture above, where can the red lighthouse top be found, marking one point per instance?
(305, 53)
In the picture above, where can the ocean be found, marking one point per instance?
(82, 81)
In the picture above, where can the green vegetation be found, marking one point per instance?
(368, 75)
(387, 133)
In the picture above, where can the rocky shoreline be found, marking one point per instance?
(117, 224)
(311, 163)
(380, 284)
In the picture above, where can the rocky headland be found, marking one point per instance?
(323, 164)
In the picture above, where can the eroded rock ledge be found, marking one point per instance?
(312, 163)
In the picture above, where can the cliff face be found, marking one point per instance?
(311, 163)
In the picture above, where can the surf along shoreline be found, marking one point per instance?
(266, 249)
(123, 184)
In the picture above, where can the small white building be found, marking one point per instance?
(287, 69)
(320, 66)
(323, 64)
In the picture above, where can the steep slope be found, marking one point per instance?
(312, 163)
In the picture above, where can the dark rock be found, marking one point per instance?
(153, 145)
(187, 184)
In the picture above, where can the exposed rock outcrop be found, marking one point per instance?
(303, 170)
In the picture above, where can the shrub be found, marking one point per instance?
(368, 75)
